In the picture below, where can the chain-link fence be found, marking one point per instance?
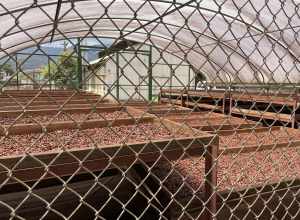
(125, 109)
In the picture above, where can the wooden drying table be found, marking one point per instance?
(57, 163)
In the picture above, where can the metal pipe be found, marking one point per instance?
(118, 76)
(150, 75)
(79, 64)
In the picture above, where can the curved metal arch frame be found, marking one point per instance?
(159, 36)
(168, 24)
(113, 37)
(178, 3)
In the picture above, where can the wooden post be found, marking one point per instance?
(211, 180)
(230, 103)
(159, 96)
(224, 109)
(182, 98)
(294, 114)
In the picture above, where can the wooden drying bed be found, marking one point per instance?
(229, 97)
(213, 121)
(244, 169)
(258, 139)
(186, 97)
(280, 99)
(263, 114)
(56, 163)
(47, 124)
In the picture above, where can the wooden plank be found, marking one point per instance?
(194, 93)
(249, 130)
(207, 94)
(172, 92)
(58, 107)
(22, 93)
(204, 105)
(48, 98)
(190, 118)
(212, 125)
(260, 98)
(53, 111)
(217, 127)
(163, 109)
(18, 129)
(172, 101)
(51, 102)
(263, 115)
(41, 90)
(188, 115)
(42, 95)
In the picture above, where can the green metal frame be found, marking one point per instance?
(79, 64)
(150, 87)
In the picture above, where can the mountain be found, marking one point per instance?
(34, 58)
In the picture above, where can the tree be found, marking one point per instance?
(7, 69)
(63, 71)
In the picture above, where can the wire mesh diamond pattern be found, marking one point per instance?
(123, 109)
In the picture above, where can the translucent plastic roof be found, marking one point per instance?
(245, 40)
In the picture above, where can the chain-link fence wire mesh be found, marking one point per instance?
(149, 109)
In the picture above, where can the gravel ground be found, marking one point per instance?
(34, 143)
(236, 171)
(65, 117)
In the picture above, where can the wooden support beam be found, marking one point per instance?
(263, 115)
(18, 129)
(53, 111)
(50, 102)
(47, 98)
(99, 158)
(57, 107)
(210, 185)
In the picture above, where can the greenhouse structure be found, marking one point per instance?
(155, 109)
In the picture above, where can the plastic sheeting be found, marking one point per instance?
(237, 41)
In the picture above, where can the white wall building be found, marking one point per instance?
(131, 67)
